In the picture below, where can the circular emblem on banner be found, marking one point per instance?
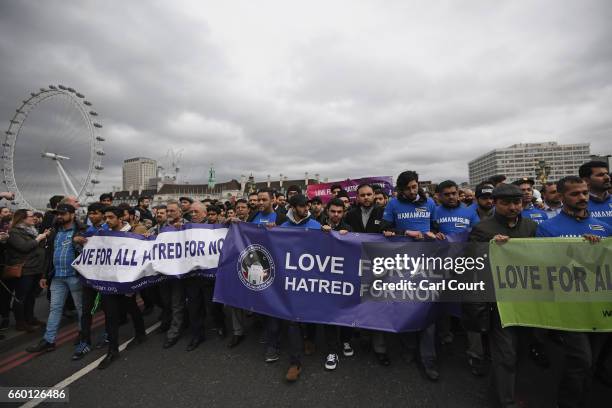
(256, 267)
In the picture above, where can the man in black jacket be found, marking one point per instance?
(506, 223)
(367, 217)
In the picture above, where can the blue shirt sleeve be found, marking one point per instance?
(389, 213)
(474, 219)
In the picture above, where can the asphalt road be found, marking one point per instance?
(216, 376)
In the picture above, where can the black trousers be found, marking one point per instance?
(113, 305)
(294, 333)
(582, 350)
(195, 290)
(25, 288)
(88, 300)
(150, 297)
(503, 344)
(214, 308)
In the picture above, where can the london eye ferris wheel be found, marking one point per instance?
(53, 146)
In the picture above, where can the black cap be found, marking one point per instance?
(483, 190)
(524, 180)
(186, 199)
(298, 200)
(65, 208)
(507, 191)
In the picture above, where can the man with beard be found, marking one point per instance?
(381, 198)
(266, 214)
(582, 350)
(529, 210)
(451, 217)
(484, 200)
(597, 176)
(253, 202)
(143, 208)
(367, 217)
(506, 223)
(552, 199)
(411, 214)
(281, 203)
(61, 252)
(468, 199)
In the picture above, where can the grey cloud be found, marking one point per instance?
(414, 85)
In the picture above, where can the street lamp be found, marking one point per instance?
(542, 171)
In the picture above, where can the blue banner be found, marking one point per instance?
(314, 276)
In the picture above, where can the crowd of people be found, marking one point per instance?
(38, 249)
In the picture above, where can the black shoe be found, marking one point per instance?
(110, 357)
(431, 371)
(383, 359)
(194, 343)
(537, 354)
(162, 329)
(170, 342)
(235, 340)
(139, 339)
(477, 366)
(41, 346)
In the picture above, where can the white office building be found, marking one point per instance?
(521, 160)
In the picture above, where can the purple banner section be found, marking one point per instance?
(323, 189)
(311, 276)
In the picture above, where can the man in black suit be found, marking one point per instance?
(367, 217)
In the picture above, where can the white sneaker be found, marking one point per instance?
(331, 362)
(347, 350)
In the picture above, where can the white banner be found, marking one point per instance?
(118, 262)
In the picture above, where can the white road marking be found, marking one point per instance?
(82, 372)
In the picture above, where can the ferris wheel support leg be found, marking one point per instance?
(66, 183)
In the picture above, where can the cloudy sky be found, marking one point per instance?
(340, 88)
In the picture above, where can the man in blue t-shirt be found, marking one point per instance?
(266, 214)
(529, 210)
(411, 212)
(581, 349)
(450, 216)
(597, 176)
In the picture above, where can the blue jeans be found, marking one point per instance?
(60, 286)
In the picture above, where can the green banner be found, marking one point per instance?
(554, 283)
